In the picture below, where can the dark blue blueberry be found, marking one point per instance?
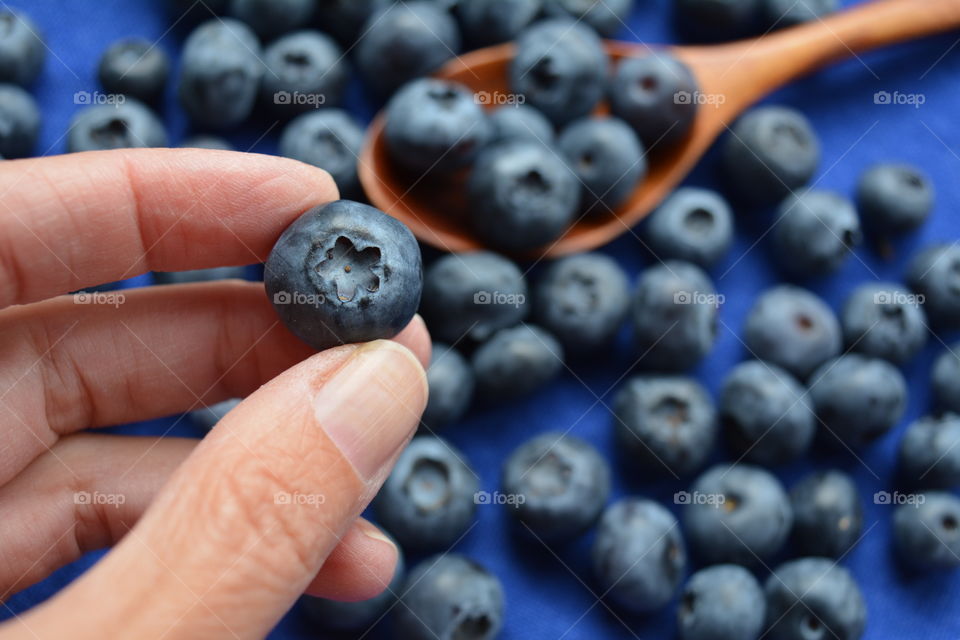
(777, 14)
(712, 20)
(722, 602)
(812, 598)
(207, 142)
(638, 555)
(946, 379)
(486, 22)
(894, 198)
(220, 74)
(516, 361)
(306, 71)
(126, 125)
(793, 328)
(191, 7)
(665, 424)
(519, 122)
(521, 195)
(656, 95)
(22, 50)
(930, 452)
(330, 139)
(858, 398)
(766, 416)
(344, 272)
(827, 514)
(435, 125)
(450, 379)
(926, 533)
(404, 41)
(674, 316)
(883, 320)
(607, 157)
(428, 502)
(19, 122)
(560, 68)
(272, 18)
(693, 224)
(345, 19)
(558, 485)
(208, 417)
(135, 67)
(450, 597)
(607, 17)
(815, 232)
(737, 513)
(199, 275)
(770, 152)
(472, 295)
(583, 301)
(935, 274)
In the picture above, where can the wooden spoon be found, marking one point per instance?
(739, 72)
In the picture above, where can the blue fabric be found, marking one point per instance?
(549, 592)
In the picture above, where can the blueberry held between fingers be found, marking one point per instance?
(930, 452)
(271, 18)
(344, 272)
(737, 513)
(126, 125)
(665, 424)
(883, 320)
(722, 602)
(135, 67)
(560, 68)
(934, 273)
(858, 398)
(19, 122)
(22, 50)
(564, 483)
(946, 379)
(894, 198)
(827, 514)
(450, 597)
(693, 224)
(778, 14)
(330, 139)
(814, 598)
(583, 301)
(606, 16)
(305, 71)
(926, 533)
(792, 328)
(519, 122)
(815, 232)
(487, 22)
(638, 555)
(516, 361)
(427, 503)
(450, 379)
(766, 416)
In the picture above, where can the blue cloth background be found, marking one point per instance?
(549, 592)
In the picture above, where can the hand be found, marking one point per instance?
(230, 531)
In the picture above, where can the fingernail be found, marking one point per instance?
(372, 404)
(371, 531)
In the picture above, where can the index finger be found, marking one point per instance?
(79, 220)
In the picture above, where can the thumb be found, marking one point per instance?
(244, 525)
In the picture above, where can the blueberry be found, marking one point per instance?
(516, 361)
(472, 295)
(770, 152)
(894, 198)
(344, 272)
(330, 139)
(305, 71)
(737, 513)
(930, 452)
(946, 379)
(815, 232)
(583, 301)
(22, 50)
(208, 417)
(135, 67)
(882, 320)
(935, 274)
(693, 224)
(559, 483)
(190, 7)
(793, 328)
(776, 14)
(435, 125)
(427, 502)
(656, 94)
(560, 68)
(207, 142)
(404, 41)
(674, 316)
(345, 19)
(199, 275)
(638, 555)
(606, 16)
(607, 157)
(271, 18)
(765, 414)
(827, 514)
(220, 75)
(858, 398)
(126, 125)
(19, 122)
(665, 423)
(486, 22)
(711, 20)
(813, 598)
(450, 379)
(926, 533)
(519, 122)
(450, 597)
(722, 602)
